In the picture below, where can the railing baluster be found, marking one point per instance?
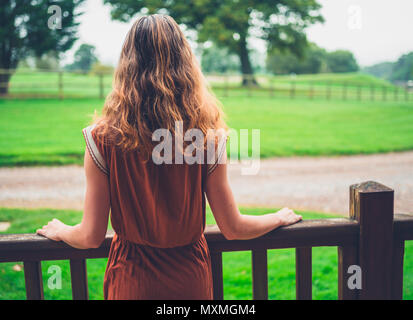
(259, 275)
(33, 280)
(78, 272)
(218, 281)
(303, 273)
(347, 256)
(397, 270)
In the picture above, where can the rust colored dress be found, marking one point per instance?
(158, 214)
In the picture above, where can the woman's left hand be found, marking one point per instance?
(52, 230)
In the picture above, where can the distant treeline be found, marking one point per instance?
(311, 60)
(401, 70)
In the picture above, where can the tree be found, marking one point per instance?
(342, 61)
(403, 68)
(48, 61)
(381, 70)
(101, 69)
(85, 57)
(218, 60)
(312, 61)
(24, 31)
(229, 23)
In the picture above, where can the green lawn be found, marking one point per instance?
(237, 265)
(48, 131)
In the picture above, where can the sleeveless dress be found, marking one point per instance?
(158, 214)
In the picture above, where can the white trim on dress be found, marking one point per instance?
(93, 149)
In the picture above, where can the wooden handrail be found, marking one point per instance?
(403, 226)
(307, 233)
(32, 249)
(323, 232)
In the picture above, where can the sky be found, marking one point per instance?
(374, 30)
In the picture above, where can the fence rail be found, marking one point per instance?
(60, 84)
(372, 238)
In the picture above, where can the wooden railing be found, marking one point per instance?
(372, 238)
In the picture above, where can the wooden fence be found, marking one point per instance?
(59, 84)
(372, 238)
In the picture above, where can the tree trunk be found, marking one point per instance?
(248, 78)
(4, 82)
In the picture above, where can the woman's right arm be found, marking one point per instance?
(231, 222)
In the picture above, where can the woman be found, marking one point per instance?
(157, 210)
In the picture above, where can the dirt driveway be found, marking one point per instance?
(317, 184)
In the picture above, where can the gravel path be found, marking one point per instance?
(317, 184)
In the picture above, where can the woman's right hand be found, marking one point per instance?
(287, 216)
(230, 221)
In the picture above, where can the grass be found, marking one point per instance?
(44, 131)
(236, 265)
(48, 131)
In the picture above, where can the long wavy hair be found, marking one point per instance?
(157, 82)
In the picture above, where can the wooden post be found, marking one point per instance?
(347, 256)
(101, 87)
(359, 92)
(406, 93)
(259, 275)
(33, 279)
(249, 84)
(60, 85)
(328, 90)
(371, 204)
(303, 273)
(78, 273)
(217, 277)
(311, 91)
(292, 90)
(397, 269)
(271, 87)
(372, 93)
(345, 91)
(384, 93)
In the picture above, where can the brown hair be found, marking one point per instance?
(157, 82)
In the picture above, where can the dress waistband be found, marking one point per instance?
(121, 239)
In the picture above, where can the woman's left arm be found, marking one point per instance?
(91, 232)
